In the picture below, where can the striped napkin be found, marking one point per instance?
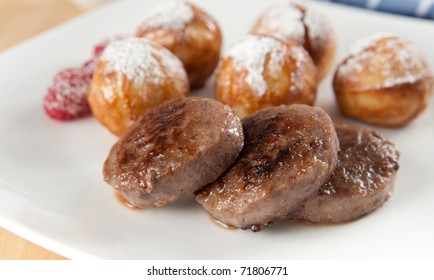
(416, 8)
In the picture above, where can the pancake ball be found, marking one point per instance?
(385, 81)
(132, 76)
(262, 71)
(192, 34)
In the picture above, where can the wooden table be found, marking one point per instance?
(20, 19)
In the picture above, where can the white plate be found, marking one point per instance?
(51, 188)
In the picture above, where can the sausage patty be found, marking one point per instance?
(289, 152)
(362, 181)
(173, 150)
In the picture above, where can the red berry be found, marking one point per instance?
(66, 98)
(97, 51)
(89, 67)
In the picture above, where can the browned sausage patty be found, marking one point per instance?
(173, 150)
(289, 152)
(362, 181)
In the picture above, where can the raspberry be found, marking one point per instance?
(99, 48)
(89, 67)
(66, 98)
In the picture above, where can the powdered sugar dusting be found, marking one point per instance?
(318, 27)
(250, 55)
(412, 64)
(141, 60)
(355, 63)
(297, 76)
(290, 21)
(394, 61)
(173, 15)
(285, 20)
(368, 42)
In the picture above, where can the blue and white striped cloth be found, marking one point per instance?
(416, 8)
